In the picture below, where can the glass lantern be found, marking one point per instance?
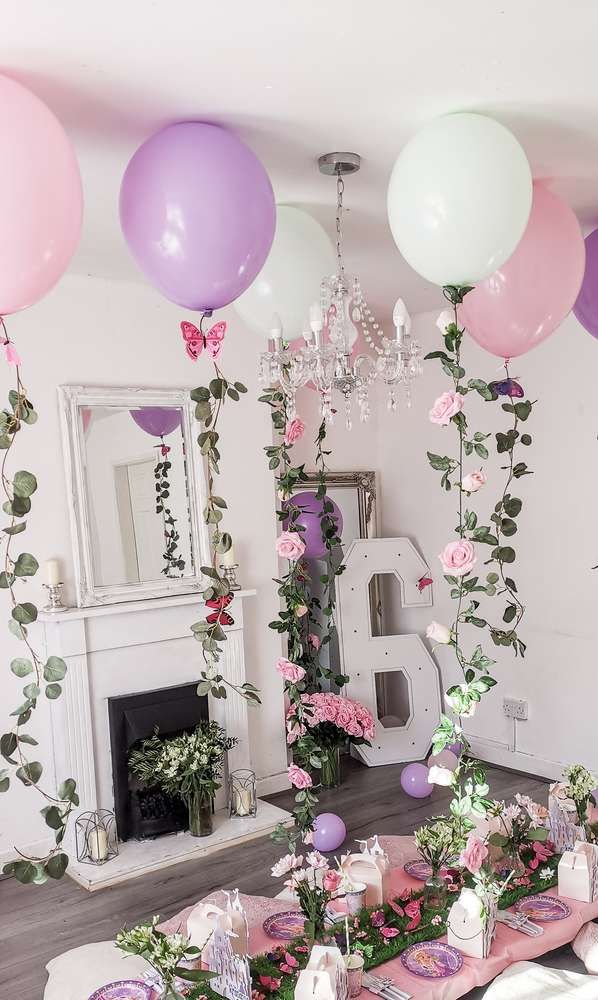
(242, 796)
(96, 837)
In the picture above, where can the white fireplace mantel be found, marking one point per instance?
(126, 649)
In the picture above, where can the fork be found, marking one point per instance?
(384, 987)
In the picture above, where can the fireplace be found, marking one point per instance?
(141, 812)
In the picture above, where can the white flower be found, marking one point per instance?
(510, 813)
(440, 776)
(438, 633)
(316, 860)
(287, 864)
(546, 873)
(445, 319)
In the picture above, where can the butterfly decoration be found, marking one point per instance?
(11, 353)
(423, 582)
(219, 615)
(196, 341)
(164, 449)
(508, 387)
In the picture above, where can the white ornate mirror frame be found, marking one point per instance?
(88, 591)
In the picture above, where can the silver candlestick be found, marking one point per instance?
(54, 593)
(230, 576)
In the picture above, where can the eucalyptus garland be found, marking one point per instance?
(174, 562)
(458, 558)
(44, 676)
(299, 617)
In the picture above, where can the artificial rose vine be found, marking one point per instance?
(333, 543)
(210, 401)
(459, 557)
(47, 675)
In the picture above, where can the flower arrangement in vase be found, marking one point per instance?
(165, 953)
(315, 884)
(332, 720)
(436, 843)
(521, 830)
(189, 766)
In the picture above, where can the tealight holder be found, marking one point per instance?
(242, 795)
(55, 604)
(96, 838)
(230, 575)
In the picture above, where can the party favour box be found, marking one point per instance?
(206, 917)
(467, 929)
(578, 873)
(324, 977)
(564, 830)
(372, 867)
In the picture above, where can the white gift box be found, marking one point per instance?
(324, 977)
(371, 867)
(564, 829)
(578, 873)
(469, 931)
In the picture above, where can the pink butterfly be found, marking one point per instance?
(423, 582)
(195, 340)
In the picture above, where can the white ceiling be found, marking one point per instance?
(298, 79)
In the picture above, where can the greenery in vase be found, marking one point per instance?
(184, 765)
(438, 841)
(459, 557)
(580, 787)
(165, 952)
(43, 675)
(315, 884)
(518, 826)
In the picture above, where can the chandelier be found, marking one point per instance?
(326, 358)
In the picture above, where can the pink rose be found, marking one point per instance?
(475, 853)
(332, 880)
(294, 431)
(458, 558)
(445, 407)
(291, 672)
(300, 610)
(298, 777)
(377, 918)
(289, 545)
(294, 732)
(474, 481)
(314, 641)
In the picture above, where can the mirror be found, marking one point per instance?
(137, 490)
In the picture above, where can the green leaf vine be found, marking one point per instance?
(297, 619)
(43, 677)
(476, 666)
(174, 563)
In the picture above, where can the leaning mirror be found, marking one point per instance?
(135, 491)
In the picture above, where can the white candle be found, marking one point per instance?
(242, 801)
(52, 569)
(97, 842)
(228, 558)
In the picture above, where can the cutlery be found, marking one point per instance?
(519, 922)
(384, 987)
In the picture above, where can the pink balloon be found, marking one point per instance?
(522, 303)
(446, 758)
(41, 200)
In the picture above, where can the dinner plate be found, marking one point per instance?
(285, 926)
(125, 989)
(543, 908)
(432, 960)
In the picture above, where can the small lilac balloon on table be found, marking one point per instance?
(414, 781)
(197, 211)
(157, 420)
(586, 305)
(329, 832)
(312, 510)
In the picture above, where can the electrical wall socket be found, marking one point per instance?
(514, 708)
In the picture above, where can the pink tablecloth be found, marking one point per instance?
(508, 947)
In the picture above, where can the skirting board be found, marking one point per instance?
(493, 752)
(272, 783)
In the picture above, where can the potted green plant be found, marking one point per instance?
(188, 765)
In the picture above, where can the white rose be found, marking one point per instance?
(440, 776)
(438, 633)
(446, 317)
(474, 481)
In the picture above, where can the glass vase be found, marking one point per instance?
(510, 863)
(330, 772)
(435, 891)
(201, 822)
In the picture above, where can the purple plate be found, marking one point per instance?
(543, 908)
(421, 870)
(125, 989)
(432, 960)
(285, 926)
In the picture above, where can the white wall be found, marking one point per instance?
(557, 543)
(90, 331)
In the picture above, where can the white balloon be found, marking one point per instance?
(289, 282)
(459, 198)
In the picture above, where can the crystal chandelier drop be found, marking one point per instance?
(327, 358)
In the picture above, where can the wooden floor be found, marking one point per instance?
(38, 923)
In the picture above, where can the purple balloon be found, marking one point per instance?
(157, 420)
(455, 748)
(414, 781)
(586, 306)
(197, 211)
(329, 832)
(309, 519)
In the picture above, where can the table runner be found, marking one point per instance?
(509, 946)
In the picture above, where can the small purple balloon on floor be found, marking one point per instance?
(414, 781)
(329, 832)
